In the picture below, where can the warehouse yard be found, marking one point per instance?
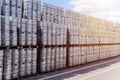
(38, 38)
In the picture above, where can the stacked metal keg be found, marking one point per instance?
(53, 39)
(39, 37)
(18, 41)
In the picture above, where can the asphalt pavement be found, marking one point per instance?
(103, 70)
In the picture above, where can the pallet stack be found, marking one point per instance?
(28, 38)
(91, 38)
(1, 64)
(54, 36)
(85, 38)
(40, 37)
(18, 41)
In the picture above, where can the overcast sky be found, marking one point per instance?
(106, 9)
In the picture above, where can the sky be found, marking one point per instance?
(60, 3)
(105, 9)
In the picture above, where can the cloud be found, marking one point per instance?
(106, 9)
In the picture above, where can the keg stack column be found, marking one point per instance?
(53, 47)
(18, 41)
(39, 37)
